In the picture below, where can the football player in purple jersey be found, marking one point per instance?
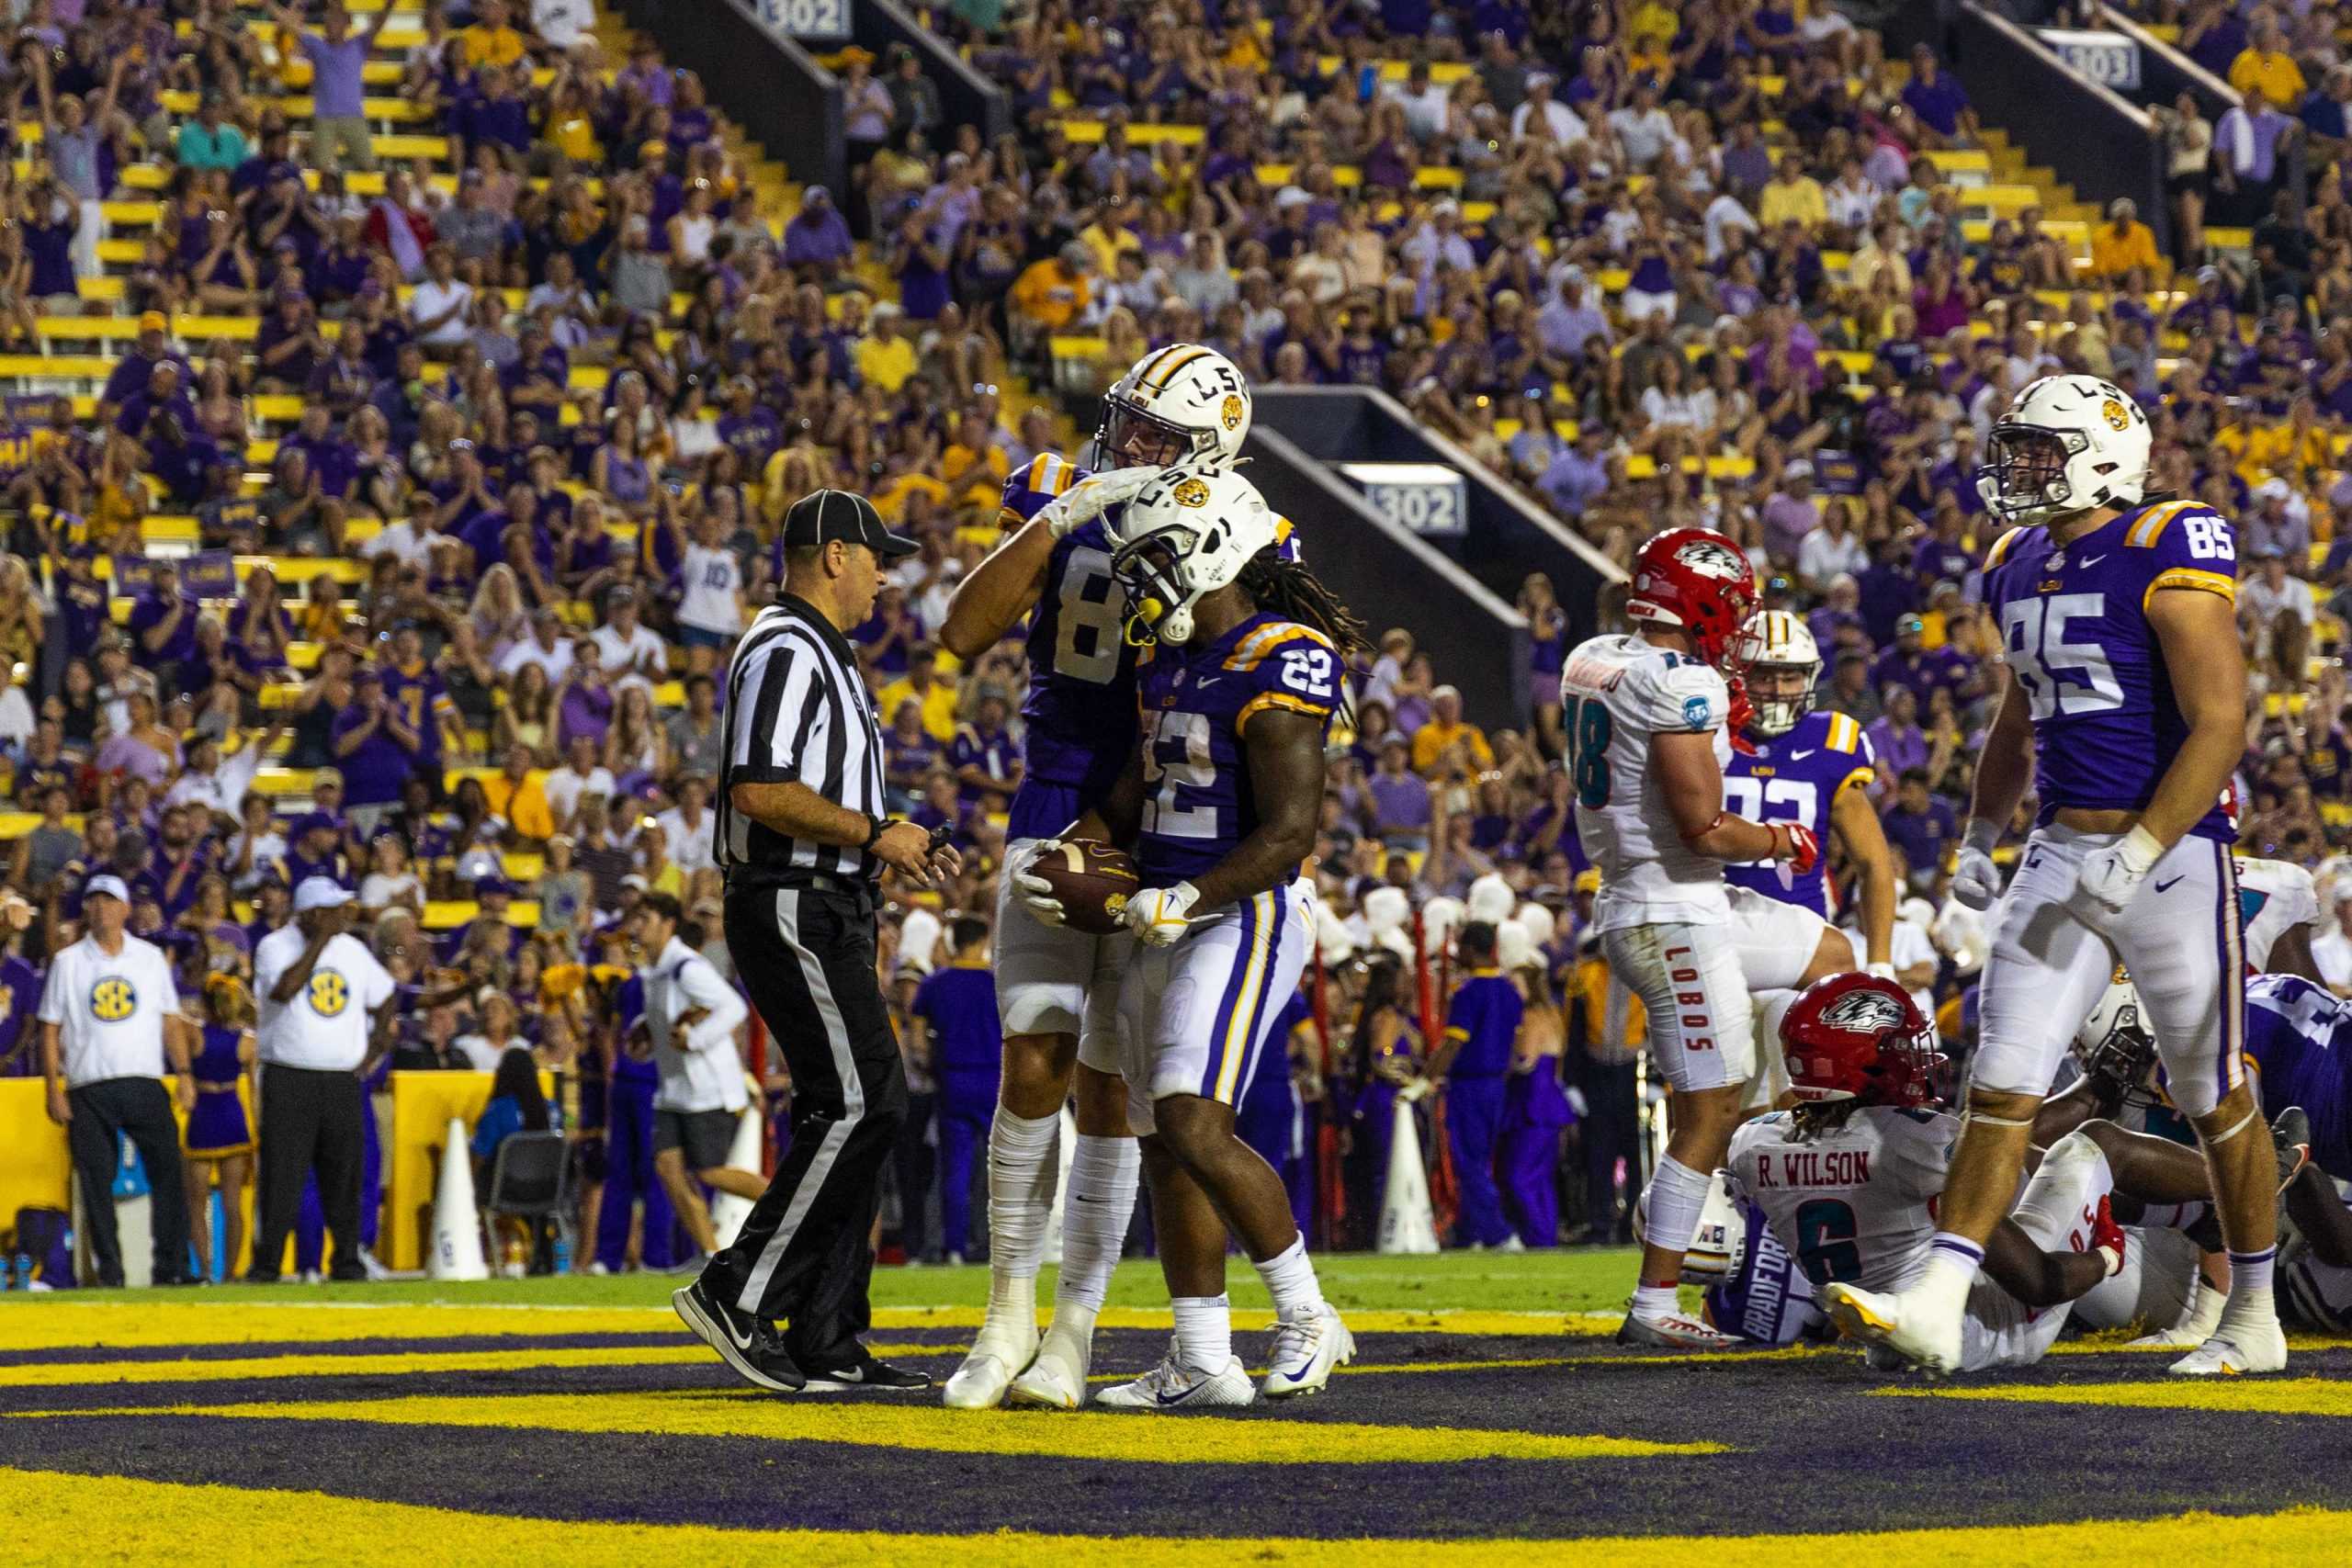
(1793, 763)
(1220, 800)
(1182, 403)
(2122, 705)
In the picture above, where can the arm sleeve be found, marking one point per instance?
(2182, 545)
(1916, 1154)
(704, 989)
(375, 985)
(269, 967)
(53, 996)
(1688, 699)
(1462, 1015)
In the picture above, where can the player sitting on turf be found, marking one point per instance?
(1851, 1178)
(1795, 763)
(1646, 718)
(1055, 986)
(1221, 803)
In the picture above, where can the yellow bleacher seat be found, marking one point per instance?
(1090, 130)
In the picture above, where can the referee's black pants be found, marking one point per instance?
(142, 1108)
(805, 1256)
(312, 1119)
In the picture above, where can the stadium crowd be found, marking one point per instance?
(512, 410)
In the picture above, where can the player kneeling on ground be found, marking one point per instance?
(1221, 803)
(1850, 1178)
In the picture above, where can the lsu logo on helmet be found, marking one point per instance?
(2114, 414)
(1192, 493)
(1232, 413)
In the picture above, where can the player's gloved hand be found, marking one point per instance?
(1799, 850)
(1975, 881)
(1737, 716)
(1037, 893)
(1084, 501)
(2110, 876)
(2107, 1236)
(1158, 915)
(1882, 971)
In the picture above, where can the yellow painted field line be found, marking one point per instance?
(2255, 1396)
(926, 1428)
(151, 1520)
(142, 1325)
(69, 1374)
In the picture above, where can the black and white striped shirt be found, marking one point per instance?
(798, 711)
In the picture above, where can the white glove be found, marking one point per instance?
(1975, 881)
(1157, 914)
(2110, 876)
(1882, 971)
(1037, 893)
(1084, 501)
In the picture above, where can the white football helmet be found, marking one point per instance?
(1719, 1246)
(2067, 444)
(2115, 1042)
(1491, 898)
(1777, 658)
(1184, 536)
(1514, 947)
(1183, 403)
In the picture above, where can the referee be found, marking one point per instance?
(803, 838)
(325, 1003)
(108, 1016)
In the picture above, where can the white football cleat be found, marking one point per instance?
(1673, 1331)
(1304, 1354)
(997, 1354)
(2238, 1350)
(1055, 1378)
(1927, 1342)
(2169, 1339)
(1171, 1385)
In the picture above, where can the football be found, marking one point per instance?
(1092, 880)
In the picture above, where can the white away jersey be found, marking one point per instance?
(2275, 898)
(1853, 1205)
(1616, 693)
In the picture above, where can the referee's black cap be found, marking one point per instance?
(838, 514)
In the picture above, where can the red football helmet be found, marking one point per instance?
(1696, 580)
(1859, 1037)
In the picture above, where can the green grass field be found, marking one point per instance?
(1593, 1281)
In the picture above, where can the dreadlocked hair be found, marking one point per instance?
(1288, 588)
(1809, 1120)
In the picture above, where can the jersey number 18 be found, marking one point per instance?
(1588, 752)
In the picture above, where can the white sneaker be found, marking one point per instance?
(1055, 1378)
(2235, 1349)
(1512, 1245)
(373, 1266)
(997, 1352)
(1304, 1354)
(1171, 1385)
(1920, 1338)
(1673, 1331)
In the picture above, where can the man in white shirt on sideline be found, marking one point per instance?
(325, 1004)
(109, 1017)
(691, 1015)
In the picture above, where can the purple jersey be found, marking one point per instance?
(1196, 703)
(2074, 626)
(1770, 1301)
(2298, 1041)
(1081, 711)
(1794, 778)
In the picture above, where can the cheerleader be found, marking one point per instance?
(220, 1133)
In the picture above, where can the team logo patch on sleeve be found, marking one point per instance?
(1695, 712)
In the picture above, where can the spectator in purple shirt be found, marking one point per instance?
(1400, 798)
(1921, 828)
(162, 621)
(1916, 668)
(338, 57)
(374, 749)
(1937, 99)
(1897, 740)
(817, 235)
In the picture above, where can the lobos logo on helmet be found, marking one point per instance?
(1231, 413)
(1715, 559)
(1863, 1011)
(1194, 493)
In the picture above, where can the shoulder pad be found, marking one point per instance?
(2001, 546)
(1842, 734)
(2149, 525)
(1253, 650)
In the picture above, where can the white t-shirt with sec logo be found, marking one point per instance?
(110, 1010)
(327, 1026)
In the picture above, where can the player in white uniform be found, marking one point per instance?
(2123, 703)
(2281, 908)
(1181, 403)
(1849, 1180)
(1646, 716)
